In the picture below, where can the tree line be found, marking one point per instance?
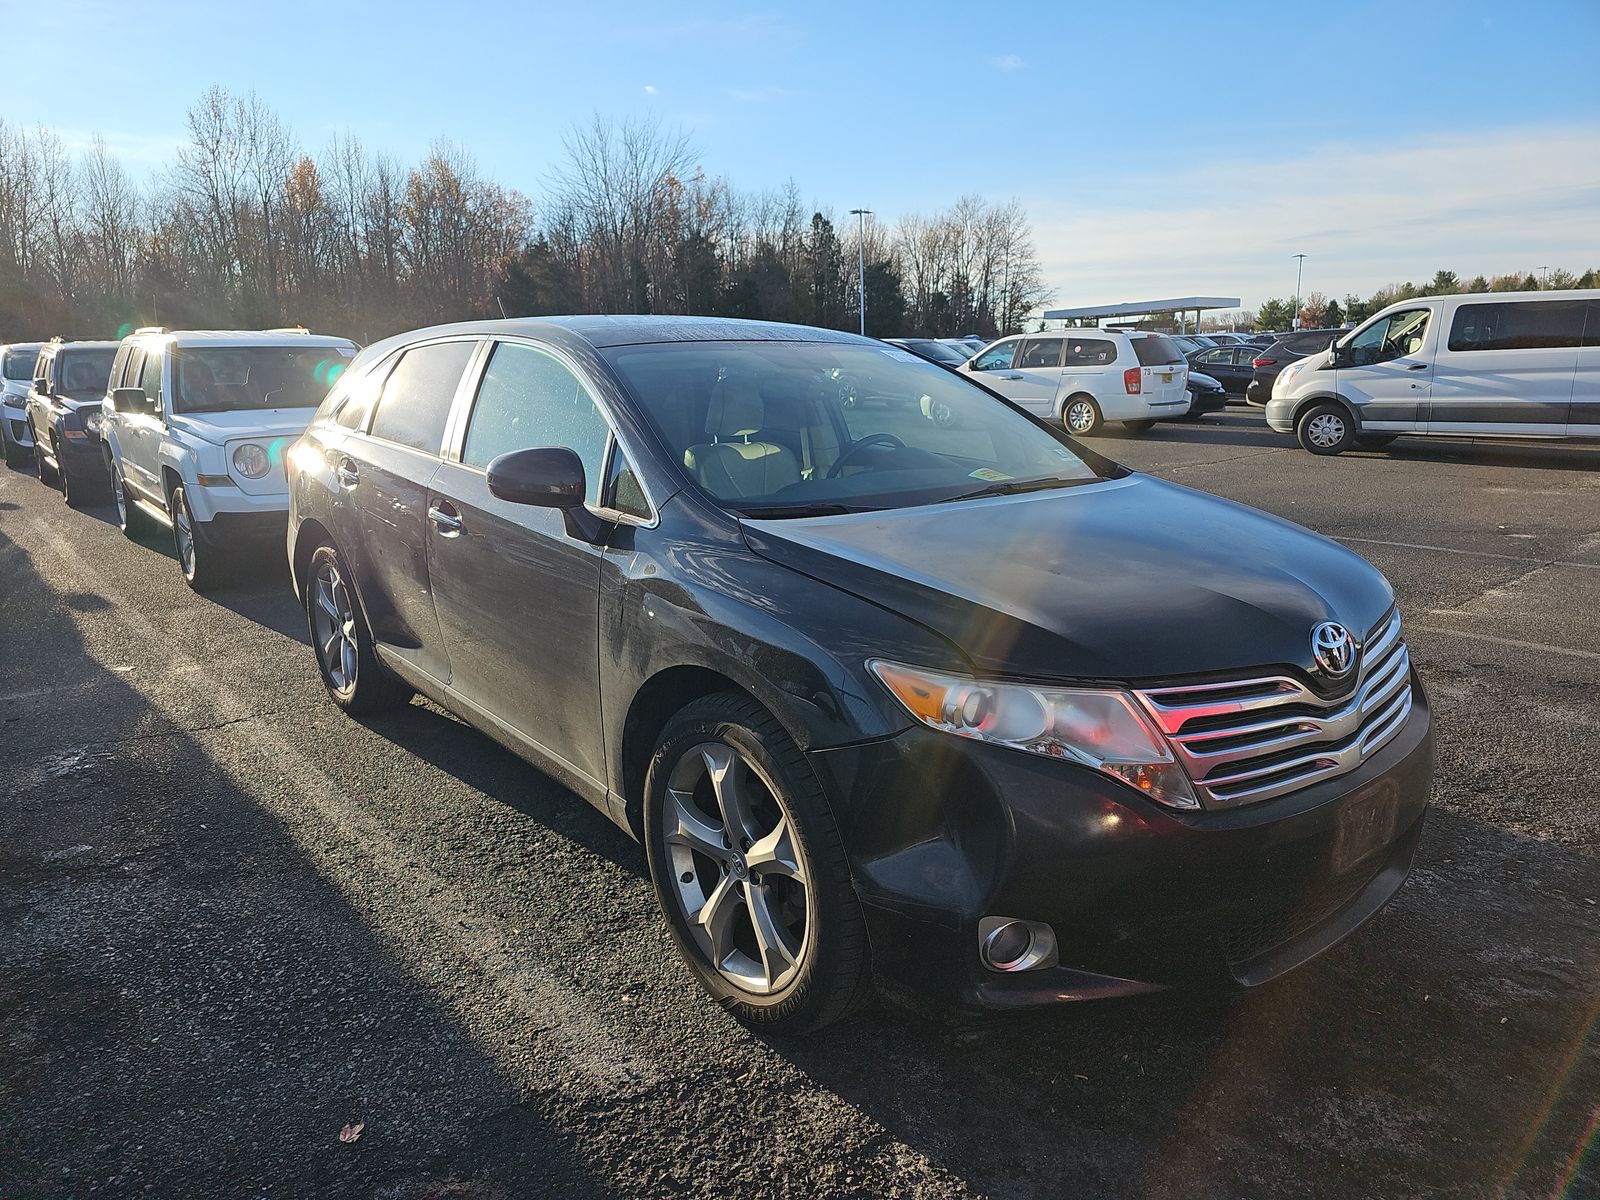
(1323, 312)
(245, 228)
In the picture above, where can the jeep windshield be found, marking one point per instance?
(776, 429)
(84, 373)
(240, 378)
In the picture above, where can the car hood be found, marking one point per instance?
(1126, 579)
(254, 424)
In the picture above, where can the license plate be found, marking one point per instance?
(1166, 377)
(1365, 825)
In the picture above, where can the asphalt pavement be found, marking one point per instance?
(235, 923)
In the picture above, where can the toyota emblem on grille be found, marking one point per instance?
(1333, 648)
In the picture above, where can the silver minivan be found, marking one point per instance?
(1508, 364)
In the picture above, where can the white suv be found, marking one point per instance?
(1086, 377)
(194, 431)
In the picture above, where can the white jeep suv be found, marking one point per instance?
(194, 430)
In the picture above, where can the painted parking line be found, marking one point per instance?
(1513, 643)
(1545, 562)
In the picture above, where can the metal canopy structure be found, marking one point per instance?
(1145, 308)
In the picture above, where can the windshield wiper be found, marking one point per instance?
(803, 510)
(1012, 487)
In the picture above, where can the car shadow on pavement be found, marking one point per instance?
(191, 1003)
(1447, 1047)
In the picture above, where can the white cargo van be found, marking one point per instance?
(1490, 364)
(1086, 377)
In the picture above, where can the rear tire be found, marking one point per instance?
(131, 519)
(750, 870)
(1080, 415)
(342, 640)
(1325, 429)
(203, 563)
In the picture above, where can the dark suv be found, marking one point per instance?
(887, 700)
(63, 416)
(1281, 353)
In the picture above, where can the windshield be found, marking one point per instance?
(1156, 351)
(19, 365)
(237, 378)
(84, 372)
(787, 428)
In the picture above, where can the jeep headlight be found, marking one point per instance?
(251, 461)
(1100, 728)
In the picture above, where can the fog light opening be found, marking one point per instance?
(1008, 944)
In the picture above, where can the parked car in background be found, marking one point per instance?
(1286, 349)
(967, 345)
(1228, 365)
(1206, 395)
(932, 349)
(69, 384)
(196, 431)
(1189, 342)
(16, 377)
(1505, 365)
(885, 702)
(1225, 338)
(1084, 378)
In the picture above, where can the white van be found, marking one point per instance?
(1489, 364)
(1085, 377)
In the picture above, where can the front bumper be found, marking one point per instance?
(943, 831)
(14, 421)
(85, 459)
(227, 530)
(1207, 402)
(1259, 391)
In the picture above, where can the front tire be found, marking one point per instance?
(202, 561)
(48, 475)
(1081, 416)
(1325, 429)
(356, 681)
(750, 871)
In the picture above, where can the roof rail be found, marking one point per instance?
(151, 329)
(289, 329)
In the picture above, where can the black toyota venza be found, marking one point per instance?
(897, 684)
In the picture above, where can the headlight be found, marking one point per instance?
(1102, 729)
(91, 422)
(251, 461)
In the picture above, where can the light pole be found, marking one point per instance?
(1544, 278)
(1299, 273)
(861, 215)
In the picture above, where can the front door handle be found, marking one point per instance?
(1416, 366)
(347, 473)
(445, 520)
(1013, 377)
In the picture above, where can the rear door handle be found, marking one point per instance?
(1416, 366)
(445, 520)
(347, 473)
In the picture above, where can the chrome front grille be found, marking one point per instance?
(1246, 740)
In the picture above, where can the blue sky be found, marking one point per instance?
(1161, 148)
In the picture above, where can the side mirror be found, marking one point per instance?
(547, 477)
(1339, 356)
(132, 400)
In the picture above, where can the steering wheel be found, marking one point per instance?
(871, 439)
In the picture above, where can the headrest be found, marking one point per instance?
(736, 409)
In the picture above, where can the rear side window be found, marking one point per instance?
(1156, 351)
(1521, 325)
(1041, 352)
(150, 376)
(416, 399)
(529, 398)
(1090, 352)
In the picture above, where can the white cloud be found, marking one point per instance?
(1501, 200)
(649, 89)
(1007, 62)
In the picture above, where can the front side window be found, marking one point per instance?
(529, 398)
(41, 371)
(996, 358)
(18, 365)
(1391, 337)
(418, 394)
(1519, 325)
(241, 378)
(766, 429)
(1041, 352)
(150, 375)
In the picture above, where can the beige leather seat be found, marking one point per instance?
(732, 466)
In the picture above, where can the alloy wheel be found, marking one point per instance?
(183, 533)
(1325, 429)
(740, 875)
(1080, 416)
(121, 498)
(333, 622)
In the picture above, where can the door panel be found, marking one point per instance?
(1508, 367)
(1390, 377)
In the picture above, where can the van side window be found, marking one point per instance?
(416, 399)
(1397, 335)
(150, 376)
(996, 358)
(1041, 352)
(1518, 325)
(1090, 352)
